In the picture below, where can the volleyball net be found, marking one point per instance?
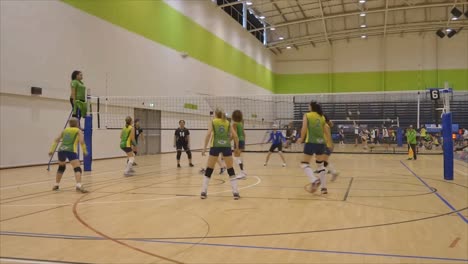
(356, 116)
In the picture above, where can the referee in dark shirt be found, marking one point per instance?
(182, 140)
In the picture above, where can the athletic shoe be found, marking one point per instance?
(131, 170)
(324, 190)
(236, 196)
(55, 188)
(81, 189)
(264, 164)
(314, 186)
(128, 174)
(190, 164)
(203, 195)
(284, 165)
(242, 176)
(334, 176)
(178, 166)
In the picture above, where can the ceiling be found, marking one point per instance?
(308, 22)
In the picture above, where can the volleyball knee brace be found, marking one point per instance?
(78, 169)
(61, 169)
(179, 153)
(320, 166)
(208, 172)
(135, 152)
(231, 172)
(304, 165)
(189, 154)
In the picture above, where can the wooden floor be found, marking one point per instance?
(382, 209)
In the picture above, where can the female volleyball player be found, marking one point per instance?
(327, 154)
(127, 140)
(138, 134)
(182, 140)
(220, 134)
(78, 95)
(238, 126)
(70, 138)
(316, 136)
(276, 139)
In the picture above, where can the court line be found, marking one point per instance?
(461, 172)
(349, 188)
(437, 194)
(238, 246)
(41, 261)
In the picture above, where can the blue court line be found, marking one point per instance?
(61, 236)
(437, 194)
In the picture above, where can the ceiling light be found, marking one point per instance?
(456, 12)
(362, 1)
(454, 18)
(362, 14)
(280, 38)
(288, 47)
(248, 3)
(451, 33)
(448, 29)
(363, 25)
(272, 28)
(261, 17)
(440, 33)
(363, 36)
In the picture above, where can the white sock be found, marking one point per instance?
(310, 173)
(129, 164)
(78, 185)
(234, 184)
(206, 180)
(322, 174)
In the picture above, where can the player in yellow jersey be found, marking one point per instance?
(220, 134)
(316, 135)
(68, 149)
(328, 151)
(127, 140)
(238, 126)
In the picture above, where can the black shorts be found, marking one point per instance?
(226, 151)
(241, 144)
(314, 148)
(327, 151)
(182, 145)
(64, 155)
(127, 149)
(276, 146)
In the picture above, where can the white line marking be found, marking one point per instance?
(127, 201)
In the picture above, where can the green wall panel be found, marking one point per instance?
(159, 22)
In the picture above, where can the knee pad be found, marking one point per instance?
(304, 165)
(61, 169)
(325, 163)
(136, 152)
(78, 169)
(208, 172)
(231, 172)
(179, 153)
(189, 154)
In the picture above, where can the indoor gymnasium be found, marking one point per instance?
(224, 131)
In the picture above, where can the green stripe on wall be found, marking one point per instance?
(159, 22)
(369, 81)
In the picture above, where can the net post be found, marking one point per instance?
(88, 138)
(447, 135)
(399, 137)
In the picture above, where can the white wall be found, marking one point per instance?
(410, 52)
(42, 42)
